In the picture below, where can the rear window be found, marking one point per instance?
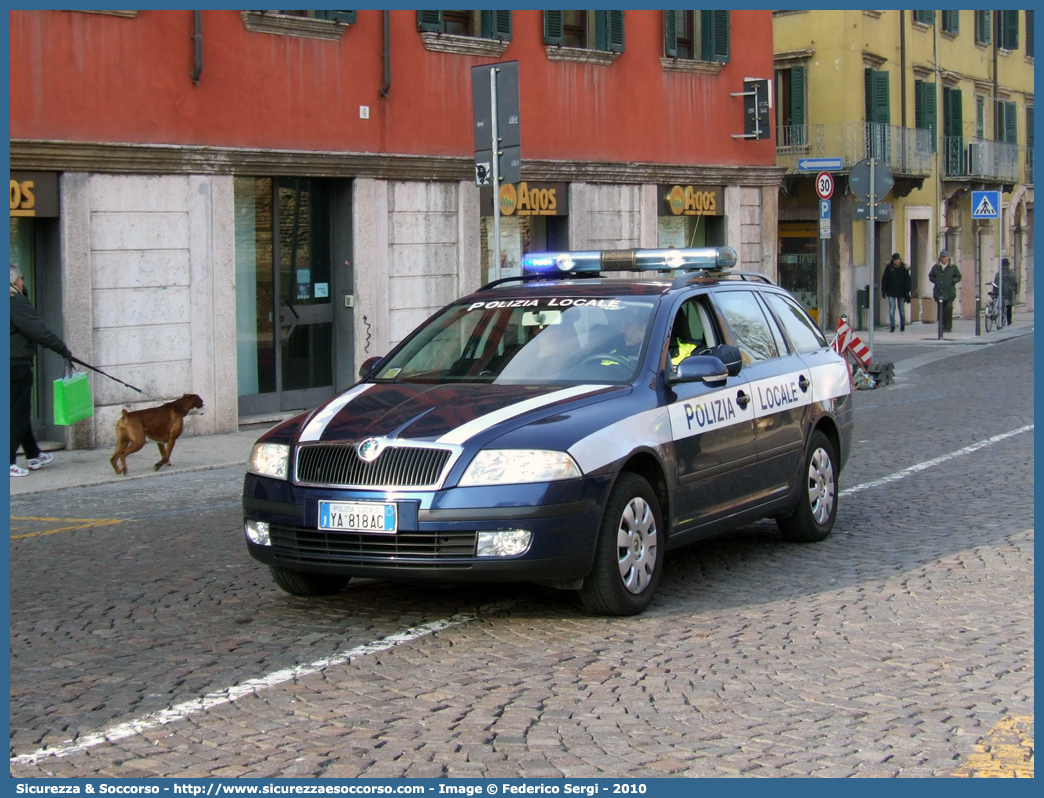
(546, 340)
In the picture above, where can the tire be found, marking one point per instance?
(813, 517)
(297, 583)
(629, 553)
(989, 319)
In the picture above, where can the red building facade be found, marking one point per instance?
(278, 195)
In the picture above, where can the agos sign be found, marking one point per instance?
(691, 201)
(34, 194)
(529, 199)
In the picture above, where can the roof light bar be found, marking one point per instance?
(628, 260)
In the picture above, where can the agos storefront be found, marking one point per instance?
(534, 217)
(690, 216)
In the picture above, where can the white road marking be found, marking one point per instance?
(250, 687)
(934, 461)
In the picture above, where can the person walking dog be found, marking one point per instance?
(945, 275)
(895, 287)
(27, 331)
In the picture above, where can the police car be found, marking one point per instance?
(567, 427)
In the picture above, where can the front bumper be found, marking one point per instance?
(437, 531)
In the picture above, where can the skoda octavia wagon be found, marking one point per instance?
(568, 427)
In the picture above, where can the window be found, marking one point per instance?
(1006, 122)
(346, 17)
(953, 131)
(320, 24)
(980, 116)
(924, 17)
(790, 107)
(1029, 34)
(924, 107)
(585, 30)
(748, 323)
(951, 22)
(877, 105)
(1008, 30)
(494, 25)
(697, 35)
(982, 27)
(803, 333)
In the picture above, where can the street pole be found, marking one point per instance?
(871, 287)
(1000, 288)
(824, 291)
(495, 148)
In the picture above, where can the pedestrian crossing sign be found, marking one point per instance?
(985, 204)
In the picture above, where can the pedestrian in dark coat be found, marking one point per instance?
(895, 287)
(1010, 281)
(27, 332)
(945, 275)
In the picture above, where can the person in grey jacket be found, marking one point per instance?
(945, 275)
(1010, 282)
(27, 332)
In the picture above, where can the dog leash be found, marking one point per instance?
(92, 368)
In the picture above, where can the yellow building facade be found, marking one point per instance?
(944, 99)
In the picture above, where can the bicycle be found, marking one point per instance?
(994, 312)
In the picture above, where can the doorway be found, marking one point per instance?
(288, 348)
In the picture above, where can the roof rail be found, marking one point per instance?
(689, 278)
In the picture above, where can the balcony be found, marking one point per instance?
(907, 151)
(979, 159)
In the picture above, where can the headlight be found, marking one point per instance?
(512, 466)
(269, 460)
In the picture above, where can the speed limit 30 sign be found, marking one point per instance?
(824, 185)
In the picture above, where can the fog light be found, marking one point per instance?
(504, 542)
(257, 532)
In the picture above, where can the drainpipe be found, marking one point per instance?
(386, 57)
(197, 46)
(939, 243)
(902, 69)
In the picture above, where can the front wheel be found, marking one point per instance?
(297, 583)
(629, 552)
(989, 318)
(813, 517)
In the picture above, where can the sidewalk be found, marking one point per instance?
(84, 467)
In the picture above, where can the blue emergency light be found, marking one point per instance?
(628, 260)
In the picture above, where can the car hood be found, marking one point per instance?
(449, 414)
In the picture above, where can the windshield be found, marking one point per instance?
(546, 340)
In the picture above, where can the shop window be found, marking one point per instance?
(696, 35)
(951, 22)
(791, 130)
(982, 27)
(925, 107)
(586, 36)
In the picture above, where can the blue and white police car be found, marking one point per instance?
(567, 427)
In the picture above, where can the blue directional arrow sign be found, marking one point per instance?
(819, 164)
(985, 204)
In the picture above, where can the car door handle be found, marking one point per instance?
(742, 400)
(803, 383)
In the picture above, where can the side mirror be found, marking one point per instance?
(700, 368)
(368, 367)
(729, 355)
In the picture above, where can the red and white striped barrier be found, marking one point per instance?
(848, 341)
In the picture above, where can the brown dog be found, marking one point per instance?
(162, 424)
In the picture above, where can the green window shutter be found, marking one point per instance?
(1029, 126)
(1008, 29)
(496, 25)
(797, 95)
(715, 44)
(609, 31)
(980, 117)
(882, 109)
(868, 93)
(1029, 34)
(429, 21)
(346, 17)
(919, 104)
(553, 27)
(953, 121)
(951, 22)
(670, 34)
(1011, 134)
(982, 27)
(924, 17)
(931, 116)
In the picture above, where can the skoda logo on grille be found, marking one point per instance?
(369, 449)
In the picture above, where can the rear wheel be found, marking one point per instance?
(629, 553)
(297, 583)
(989, 317)
(813, 517)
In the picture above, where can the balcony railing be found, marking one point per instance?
(907, 151)
(978, 158)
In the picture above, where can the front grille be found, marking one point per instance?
(403, 550)
(396, 466)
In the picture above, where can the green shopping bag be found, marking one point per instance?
(72, 399)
